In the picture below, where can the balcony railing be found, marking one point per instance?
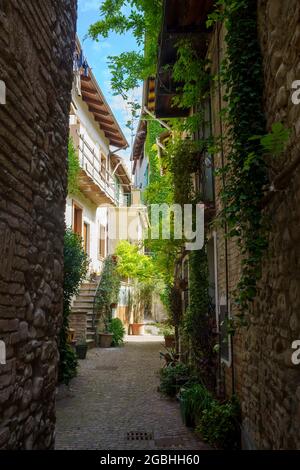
(91, 163)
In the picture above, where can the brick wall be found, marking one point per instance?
(266, 381)
(36, 43)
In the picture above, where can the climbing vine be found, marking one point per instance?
(198, 318)
(73, 169)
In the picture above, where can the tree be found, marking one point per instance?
(75, 270)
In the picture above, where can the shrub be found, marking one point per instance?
(166, 330)
(172, 378)
(219, 425)
(107, 293)
(194, 400)
(116, 327)
(75, 270)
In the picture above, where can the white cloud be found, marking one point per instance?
(101, 45)
(89, 5)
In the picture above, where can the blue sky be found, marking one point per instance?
(96, 54)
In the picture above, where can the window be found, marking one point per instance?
(77, 219)
(102, 242)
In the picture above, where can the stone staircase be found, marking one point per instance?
(82, 310)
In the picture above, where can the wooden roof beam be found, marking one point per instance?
(99, 113)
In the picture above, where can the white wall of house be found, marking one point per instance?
(142, 173)
(89, 127)
(93, 216)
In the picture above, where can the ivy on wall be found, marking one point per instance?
(198, 319)
(73, 169)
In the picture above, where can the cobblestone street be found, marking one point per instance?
(114, 394)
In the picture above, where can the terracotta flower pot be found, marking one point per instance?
(170, 341)
(137, 329)
(105, 340)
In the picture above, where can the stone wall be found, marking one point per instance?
(36, 43)
(267, 383)
(271, 391)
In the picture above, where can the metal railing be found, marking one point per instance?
(91, 163)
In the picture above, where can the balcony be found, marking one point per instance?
(95, 181)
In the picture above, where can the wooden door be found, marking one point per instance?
(77, 220)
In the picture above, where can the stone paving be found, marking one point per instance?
(116, 393)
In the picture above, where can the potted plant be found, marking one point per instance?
(137, 325)
(105, 336)
(81, 348)
(168, 331)
(105, 339)
(106, 299)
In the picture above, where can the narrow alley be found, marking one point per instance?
(115, 394)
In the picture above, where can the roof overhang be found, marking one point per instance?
(99, 108)
(139, 142)
(181, 19)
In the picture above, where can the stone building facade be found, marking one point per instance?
(37, 40)
(260, 367)
(256, 363)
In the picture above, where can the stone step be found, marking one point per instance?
(84, 299)
(86, 293)
(86, 304)
(87, 289)
(91, 343)
(79, 309)
(84, 307)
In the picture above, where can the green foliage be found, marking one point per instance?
(73, 169)
(190, 71)
(116, 327)
(245, 173)
(143, 19)
(75, 270)
(166, 329)
(133, 264)
(107, 293)
(172, 378)
(141, 270)
(219, 425)
(196, 399)
(198, 319)
(275, 142)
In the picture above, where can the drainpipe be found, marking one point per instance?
(224, 185)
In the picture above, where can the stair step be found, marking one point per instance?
(86, 295)
(91, 343)
(84, 305)
(87, 287)
(78, 309)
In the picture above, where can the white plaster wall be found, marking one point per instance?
(89, 127)
(92, 216)
(140, 171)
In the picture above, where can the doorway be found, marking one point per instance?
(77, 220)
